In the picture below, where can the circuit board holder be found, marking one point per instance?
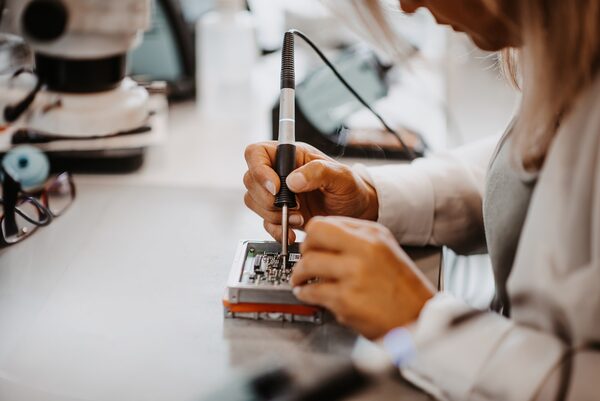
(258, 285)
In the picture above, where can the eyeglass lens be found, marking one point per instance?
(60, 193)
(23, 224)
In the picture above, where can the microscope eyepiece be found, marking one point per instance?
(45, 20)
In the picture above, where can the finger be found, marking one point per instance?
(259, 193)
(318, 174)
(354, 223)
(322, 265)
(275, 231)
(260, 158)
(266, 200)
(329, 234)
(273, 216)
(365, 230)
(322, 294)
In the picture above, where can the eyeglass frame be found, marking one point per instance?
(43, 193)
(12, 199)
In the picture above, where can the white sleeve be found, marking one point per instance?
(486, 357)
(435, 200)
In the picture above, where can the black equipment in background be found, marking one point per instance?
(323, 104)
(167, 50)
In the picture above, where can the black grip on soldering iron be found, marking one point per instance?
(285, 163)
(288, 76)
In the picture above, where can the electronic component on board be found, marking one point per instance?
(259, 285)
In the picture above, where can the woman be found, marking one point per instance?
(536, 209)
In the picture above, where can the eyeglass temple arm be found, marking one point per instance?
(10, 189)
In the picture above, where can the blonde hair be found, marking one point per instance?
(558, 59)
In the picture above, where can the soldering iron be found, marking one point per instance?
(285, 160)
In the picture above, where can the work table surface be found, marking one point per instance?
(120, 299)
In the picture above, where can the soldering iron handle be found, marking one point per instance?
(285, 163)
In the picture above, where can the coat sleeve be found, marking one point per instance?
(486, 357)
(436, 200)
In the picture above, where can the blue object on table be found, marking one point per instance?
(27, 165)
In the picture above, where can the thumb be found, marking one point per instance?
(315, 175)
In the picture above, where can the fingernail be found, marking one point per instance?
(296, 181)
(296, 220)
(270, 187)
(296, 291)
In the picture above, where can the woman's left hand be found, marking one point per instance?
(364, 278)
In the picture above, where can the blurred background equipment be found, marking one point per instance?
(166, 52)
(14, 54)
(81, 98)
(324, 105)
(341, 382)
(226, 54)
(80, 51)
(341, 379)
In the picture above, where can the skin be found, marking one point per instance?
(489, 29)
(324, 187)
(363, 276)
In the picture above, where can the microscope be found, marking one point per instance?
(78, 96)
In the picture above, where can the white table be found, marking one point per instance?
(120, 299)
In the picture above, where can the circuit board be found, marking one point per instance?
(267, 268)
(259, 285)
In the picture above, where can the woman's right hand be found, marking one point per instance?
(324, 187)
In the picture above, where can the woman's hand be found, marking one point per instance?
(364, 278)
(324, 187)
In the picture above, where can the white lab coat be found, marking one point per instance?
(438, 201)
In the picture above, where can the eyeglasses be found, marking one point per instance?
(22, 213)
(57, 195)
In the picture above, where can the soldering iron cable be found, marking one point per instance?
(410, 154)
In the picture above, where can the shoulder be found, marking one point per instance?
(579, 133)
(585, 113)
